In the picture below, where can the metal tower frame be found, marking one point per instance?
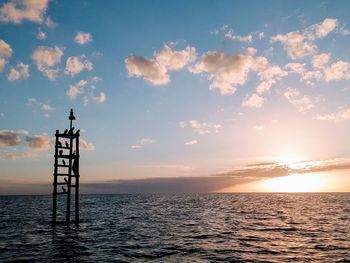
(66, 148)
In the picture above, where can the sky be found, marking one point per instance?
(182, 96)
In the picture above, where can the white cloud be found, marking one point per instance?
(76, 89)
(253, 101)
(135, 146)
(21, 71)
(337, 70)
(268, 74)
(231, 36)
(175, 60)
(5, 52)
(323, 29)
(306, 75)
(320, 60)
(301, 102)
(168, 166)
(182, 124)
(84, 145)
(46, 58)
(343, 31)
(144, 141)
(3, 63)
(149, 69)
(261, 35)
(41, 35)
(5, 49)
(258, 127)
(10, 137)
(228, 33)
(101, 98)
(141, 143)
(87, 89)
(296, 44)
(46, 108)
(156, 70)
(16, 11)
(50, 23)
(297, 68)
(311, 76)
(38, 142)
(200, 127)
(75, 65)
(337, 116)
(300, 44)
(192, 142)
(225, 71)
(96, 79)
(83, 38)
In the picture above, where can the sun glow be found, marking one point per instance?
(288, 159)
(296, 183)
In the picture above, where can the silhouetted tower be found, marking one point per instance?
(66, 169)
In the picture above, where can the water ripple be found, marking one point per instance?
(180, 228)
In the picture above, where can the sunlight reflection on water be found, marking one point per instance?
(295, 183)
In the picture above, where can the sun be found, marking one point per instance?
(296, 183)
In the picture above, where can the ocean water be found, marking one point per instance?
(180, 228)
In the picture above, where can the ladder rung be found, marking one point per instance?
(62, 147)
(66, 175)
(64, 183)
(62, 135)
(67, 156)
(61, 165)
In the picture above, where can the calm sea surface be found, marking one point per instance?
(180, 228)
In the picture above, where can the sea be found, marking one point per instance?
(238, 227)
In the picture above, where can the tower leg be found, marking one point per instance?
(68, 205)
(54, 207)
(69, 181)
(54, 194)
(77, 200)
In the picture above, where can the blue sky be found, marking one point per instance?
(173, 89)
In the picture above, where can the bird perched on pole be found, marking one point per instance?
(67, 145)
(65, 179)
(64, 189)
(60, 152)
(71, 130)
(59, 144)
(65, 131)
(64, 162)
